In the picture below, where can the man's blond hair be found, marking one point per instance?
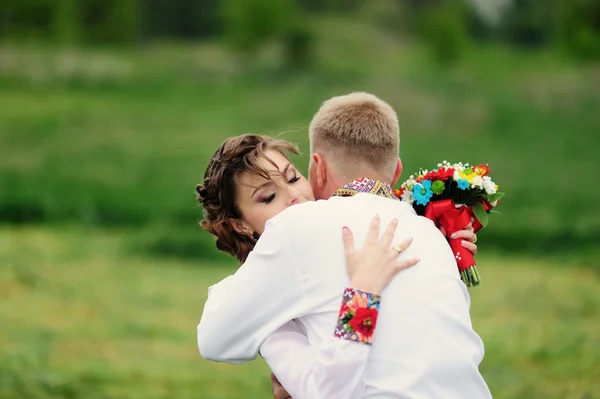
(357, 129)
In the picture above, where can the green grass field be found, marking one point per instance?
(83, 318)
(121, 137)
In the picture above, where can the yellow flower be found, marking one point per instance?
(468, 175)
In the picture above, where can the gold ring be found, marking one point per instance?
(474, 238)
(397, 249)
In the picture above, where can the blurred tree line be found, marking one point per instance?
(447, 26)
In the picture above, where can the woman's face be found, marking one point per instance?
(260, 199)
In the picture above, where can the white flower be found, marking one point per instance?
(456, 175)
(409, 184)
(494, 203)
(488, 185)
(477, 182)
(407, 197)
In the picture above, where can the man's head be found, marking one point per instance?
(353, 136)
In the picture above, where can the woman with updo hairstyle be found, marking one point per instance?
(237, 162)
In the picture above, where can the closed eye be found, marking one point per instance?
(268, 199)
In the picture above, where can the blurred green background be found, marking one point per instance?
(110, 110)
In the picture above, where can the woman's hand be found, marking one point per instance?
(373, 266)
(468, 237)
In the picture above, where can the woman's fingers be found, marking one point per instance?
(348, 239)
(405, 264)
(469, 246)
(388, 236)
(468, 235)
(373, 235)
(403, 246)
(470, 226)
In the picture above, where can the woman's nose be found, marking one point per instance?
(293, 195)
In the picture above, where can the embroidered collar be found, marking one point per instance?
(365, 185)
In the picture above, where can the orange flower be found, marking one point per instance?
(398, 193)
(481, 170)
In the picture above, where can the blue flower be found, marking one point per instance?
(422, 192)
(463, 184)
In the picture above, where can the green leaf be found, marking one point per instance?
(494, 211)
(495, 197)
(481, 214)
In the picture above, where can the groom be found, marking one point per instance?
(425, 346)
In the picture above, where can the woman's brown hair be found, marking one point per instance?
(218, 193)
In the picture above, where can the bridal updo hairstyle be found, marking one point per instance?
(218, 193)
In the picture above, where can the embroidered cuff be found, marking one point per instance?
(358, 316)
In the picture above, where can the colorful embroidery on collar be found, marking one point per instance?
(365, 185)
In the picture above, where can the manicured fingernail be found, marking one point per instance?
(394, 221)
(345, 230)
(418, 260)
(453, 235)
(463, 243)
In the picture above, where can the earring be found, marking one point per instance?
(251, 237)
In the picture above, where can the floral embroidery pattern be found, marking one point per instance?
(358, 316)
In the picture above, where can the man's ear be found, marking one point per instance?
(320, 169)
(239, 226)
(397, 172)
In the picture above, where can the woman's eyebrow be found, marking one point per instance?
(265, 184)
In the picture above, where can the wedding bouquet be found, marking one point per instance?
(450, 196)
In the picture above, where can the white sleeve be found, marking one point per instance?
(244, 309)
(332, 370)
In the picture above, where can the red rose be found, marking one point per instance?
(364, 321)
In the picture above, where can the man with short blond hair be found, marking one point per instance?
(347, 125)
(354, 133)
(424, 345)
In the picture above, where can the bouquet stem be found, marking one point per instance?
(470, 276)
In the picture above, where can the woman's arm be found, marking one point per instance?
(332, 369)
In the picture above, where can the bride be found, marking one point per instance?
(248, 180)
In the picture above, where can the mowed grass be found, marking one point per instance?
(84, 318)
(113, 137)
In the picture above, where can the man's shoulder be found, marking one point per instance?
(319, 213)
(308, 213)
